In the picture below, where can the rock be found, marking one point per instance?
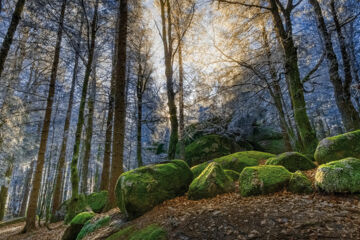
(151, 232)
(232, 174)
(299, 183)
(209, 147)
(211, 182)
(91, 226)
(268, 139)
(75, 206)
(97, 201)
(292, 161)
(76, 225)
(236, 161)
(139, 190)
(263, 180)
(338, 147)
(342, 176)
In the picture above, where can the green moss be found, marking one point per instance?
(151, 232)
(338, 147)
(90, 227)
(97, 201)
(299, 183)
(139, 190)
(275, 146)
(263, 180)
(209, 147)
(232, 174)
(292, 161)
(342, 176)
(236, 161)
(211, 182)
(75, 206)
(82, 218)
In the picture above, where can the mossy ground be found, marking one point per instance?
(299, 183)
(90, 226)
(151, 232)
(292, 161)
(141, 189)
(263, 180)
(342, 176)
(97, 201)
(211, 182)
(338, 147)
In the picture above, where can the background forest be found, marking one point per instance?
(91, 89)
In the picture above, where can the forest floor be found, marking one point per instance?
(229, 216)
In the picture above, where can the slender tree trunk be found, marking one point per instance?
(139, 93)
(120, 102)
(10, 33)
(56, 201)
(80, 122)
(89, 131)
(31, 212)
(4, 191)
(349, 115)
(306, 132)
(181, 101)
(28, 178)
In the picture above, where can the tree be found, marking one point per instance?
(120, 103)
(31, 212)
(4, 191)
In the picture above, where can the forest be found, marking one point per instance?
(179, 119)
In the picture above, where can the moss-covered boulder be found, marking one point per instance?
(97, 201)
(211, 182)
(75, 206)
(338, 147)
(234, 175)
(76, 225)
(292, 161)
(342, 176)
(236, 161)
(268, 139)
(263, 180)
(209, 147)
(91, 226)
(299, 183)
(139, 190)
(151, 232)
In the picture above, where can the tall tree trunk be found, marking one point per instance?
(4, 191)
(28, 178)
(306, 132)
(349, 115)
(120, 105)
(56, 201)
(89, 131)
(80, 122)
(10, 33)
(181, 101)
(139, 94)
(31, 212)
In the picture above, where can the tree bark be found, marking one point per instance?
(10, 33)
(181, 101)
(349, 115)
(120, 102)
(28, 178)
(31, 212)
(4, 192)
(139, 94)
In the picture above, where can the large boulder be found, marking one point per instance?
(232, 174)
(342, 176)
(236, 161)
(211, 182)
(75, 206)
(299, 183)
(292, 161)
(151, 232)
(76, 225)
(92, 225)
(268, 139)
(97, 201)
(209, 147)
(139, 190)
(263, 180)
(338, 147)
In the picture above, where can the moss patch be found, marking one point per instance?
(299, 183)
(151, 232)
(211, 182)
(82, 218)
(338, 147)
(263, 180)
(139, 190)
(75, 206)
(76, 225)
(342, 176)
(90, 226)
(97, 201)
(292, 161)
(232, 174)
